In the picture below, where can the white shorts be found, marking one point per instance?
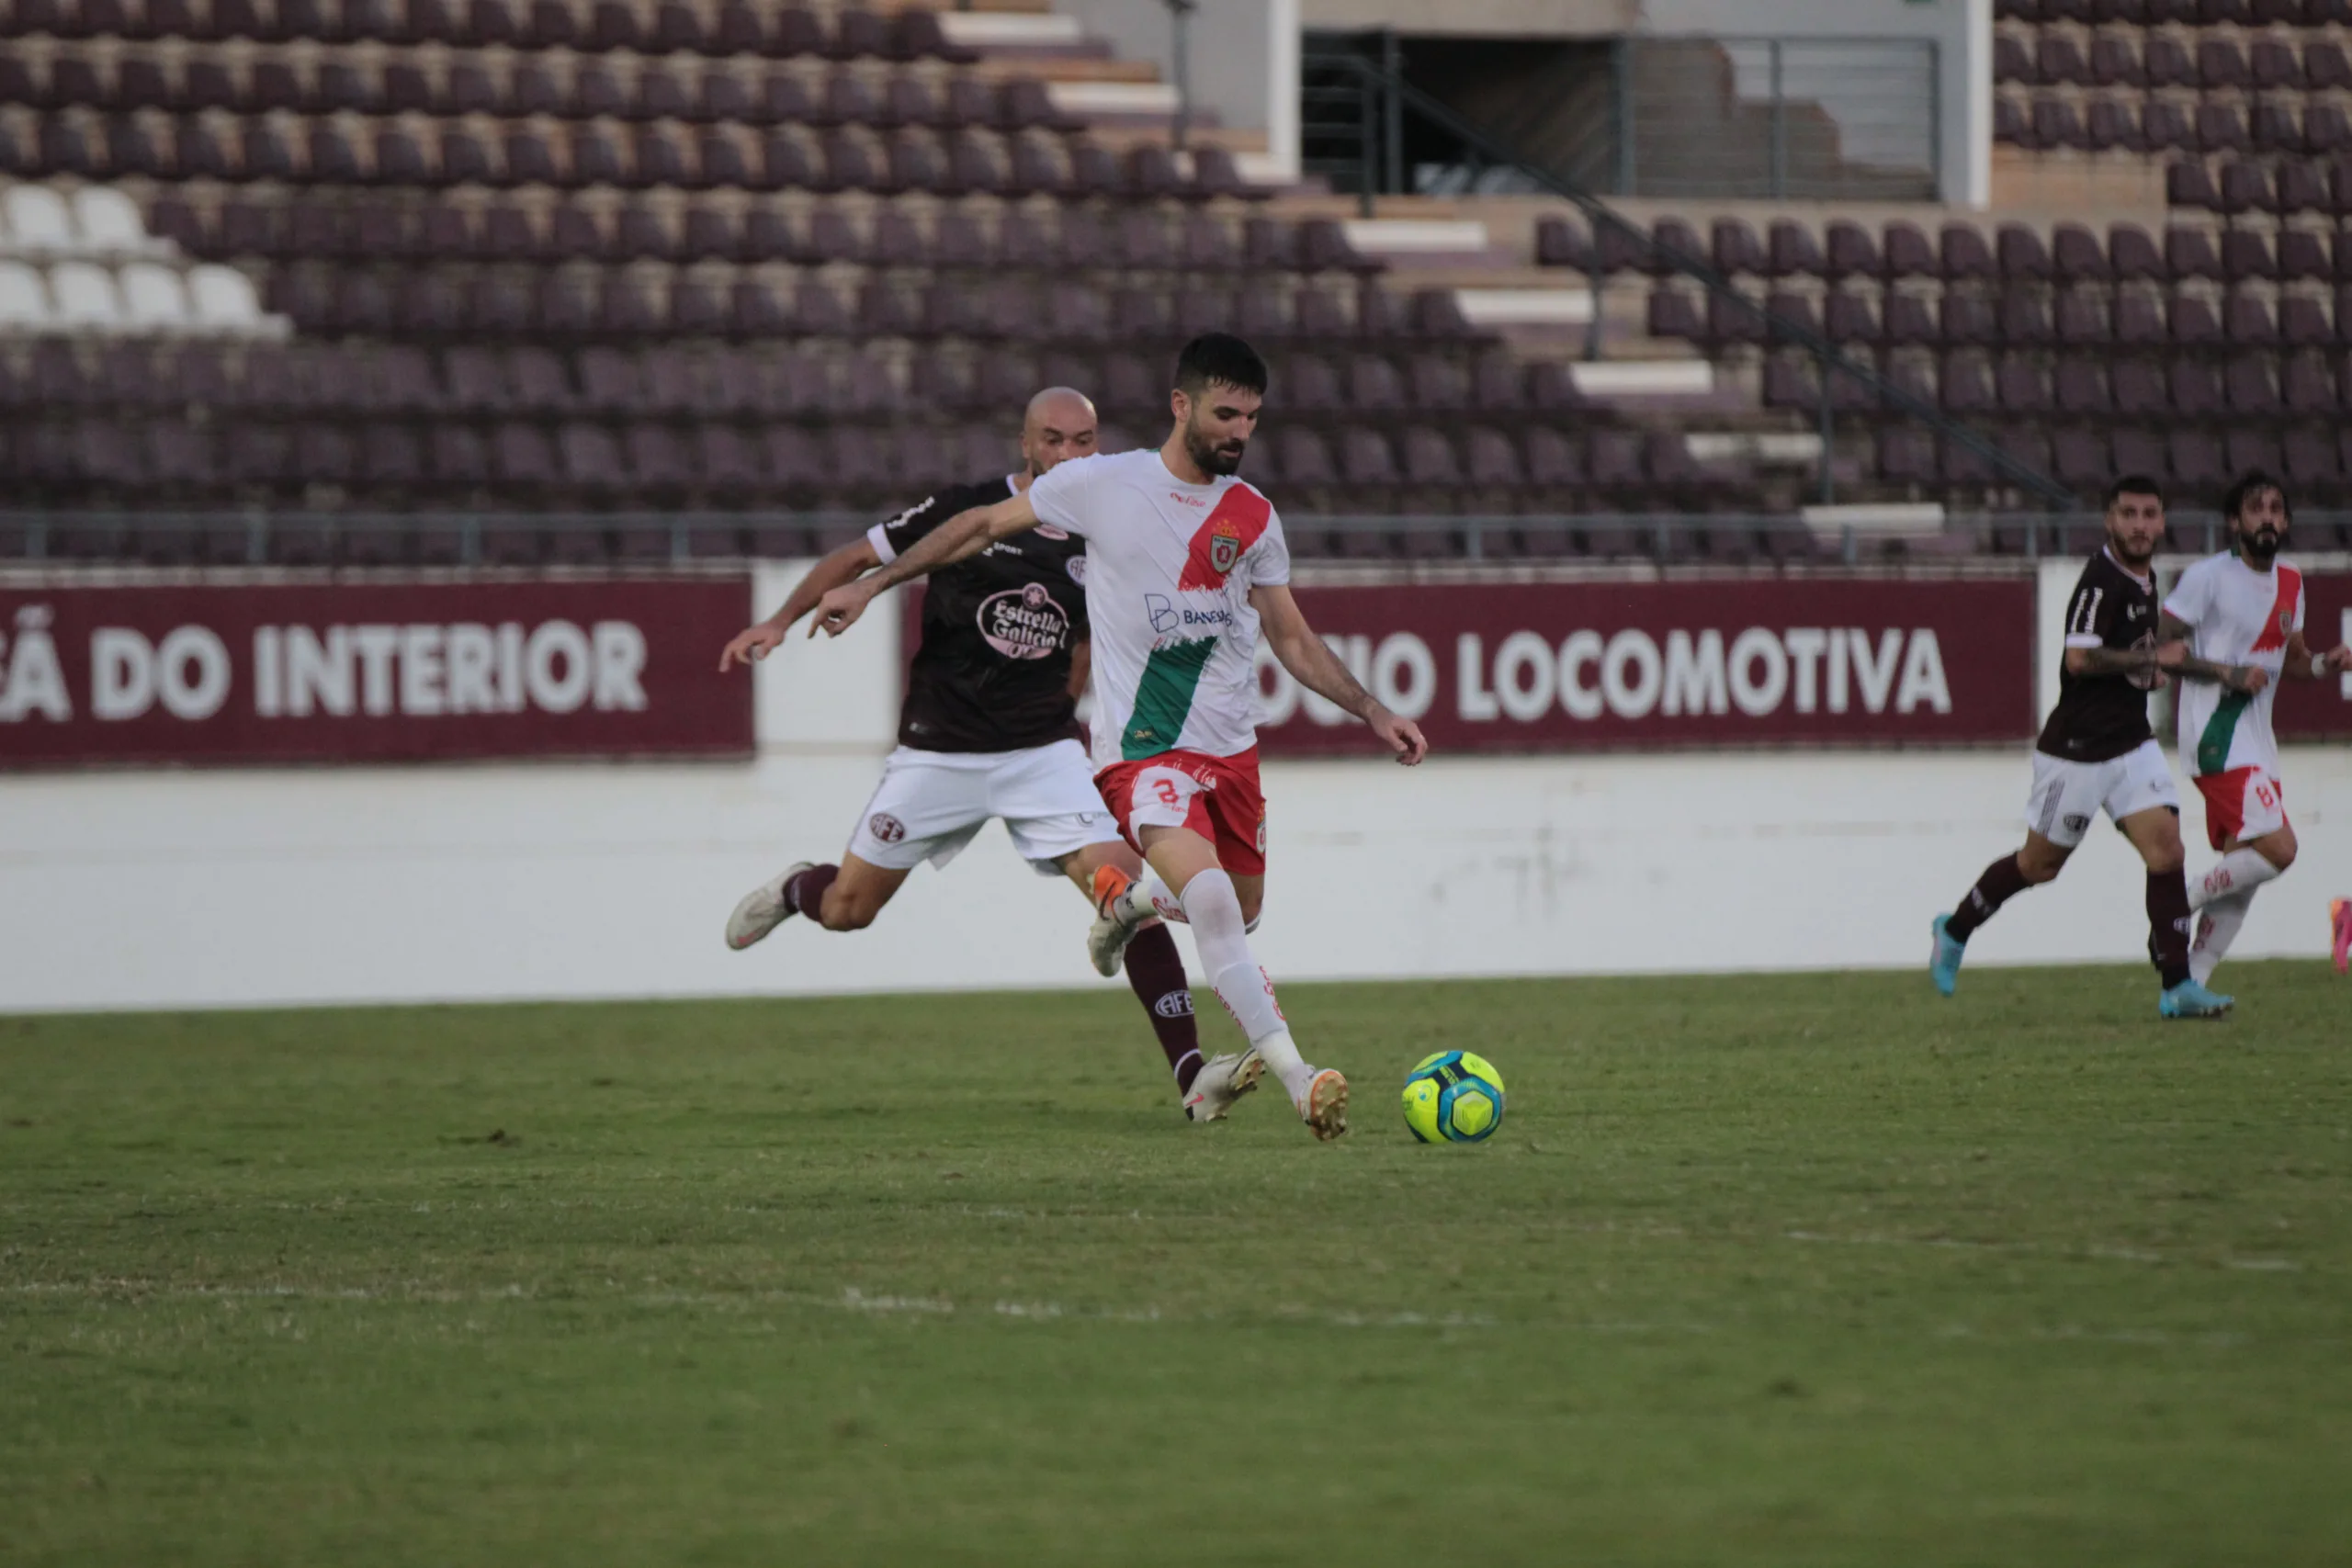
(929, 804)
(2066, 796)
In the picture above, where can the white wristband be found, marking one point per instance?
(2318, 665)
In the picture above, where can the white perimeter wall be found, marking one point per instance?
(166, 889)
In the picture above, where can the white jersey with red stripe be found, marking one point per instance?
(1169, 569)
(2236, 615)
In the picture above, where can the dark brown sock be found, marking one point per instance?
(2169, 925)
(805, 893)
(1156, 972)
(2002, 881)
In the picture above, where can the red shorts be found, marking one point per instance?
(1217, 797)
(2244, 802)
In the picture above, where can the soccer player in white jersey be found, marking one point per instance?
(1185, 564)
(2242, 616)
(989, 729)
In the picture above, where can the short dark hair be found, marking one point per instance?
(2233, 503)
(2130, 484)
(1219, 359)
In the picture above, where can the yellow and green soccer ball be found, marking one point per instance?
(1454, 1098)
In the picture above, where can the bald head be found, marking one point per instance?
(1058, 425)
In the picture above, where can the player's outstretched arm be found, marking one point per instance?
(847, 564)
(2172, 656)
(1317, 669)
(2302, 664)
(964, 535)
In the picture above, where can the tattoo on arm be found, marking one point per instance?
(2231, 676)
(2110, 660)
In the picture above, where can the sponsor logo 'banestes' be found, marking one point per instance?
(1166, 616)
(1238, 521)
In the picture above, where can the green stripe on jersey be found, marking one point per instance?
(1164, 698)
(2213, 746)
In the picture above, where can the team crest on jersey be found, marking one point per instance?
(2281, 624)
(1076, 566)
(1239, 520)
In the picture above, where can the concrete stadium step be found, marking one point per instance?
(1507, 308)
(1132, 102)
(1022, 31)
(1635, 385)
(1429, 241)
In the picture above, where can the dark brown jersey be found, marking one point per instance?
(2102, 717)
(992, 671)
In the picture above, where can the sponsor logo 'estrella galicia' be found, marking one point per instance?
(1024, 622)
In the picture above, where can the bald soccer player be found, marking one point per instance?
(989, 729)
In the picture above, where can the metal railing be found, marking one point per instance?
(1479, 147)
(40, 540)
(302, 536)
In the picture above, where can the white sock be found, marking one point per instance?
(1214, 910)
(2240, 871)
(2217, 927)
(1148, 897)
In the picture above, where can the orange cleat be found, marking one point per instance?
(1106, 940)
(1109, 883)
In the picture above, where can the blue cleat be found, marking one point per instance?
(1944, 965)
(2189, 999)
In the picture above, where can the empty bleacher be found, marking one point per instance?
(386, 256)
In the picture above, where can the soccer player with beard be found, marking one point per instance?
(2241, 615)
(1185, 564)
(2098, 753)
(989, 729)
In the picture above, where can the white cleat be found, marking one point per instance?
(1324, 1106)
(1106, 943)
(763, 909)
(1220, 1082)
(1107, 939)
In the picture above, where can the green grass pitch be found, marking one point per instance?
(1791, 1270)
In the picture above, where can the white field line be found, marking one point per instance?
(853, 1299)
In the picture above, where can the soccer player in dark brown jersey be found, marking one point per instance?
(989, 729)
(2096, 753)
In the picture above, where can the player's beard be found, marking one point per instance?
(2261, 547)
(1213, 459)
(2122, 550)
